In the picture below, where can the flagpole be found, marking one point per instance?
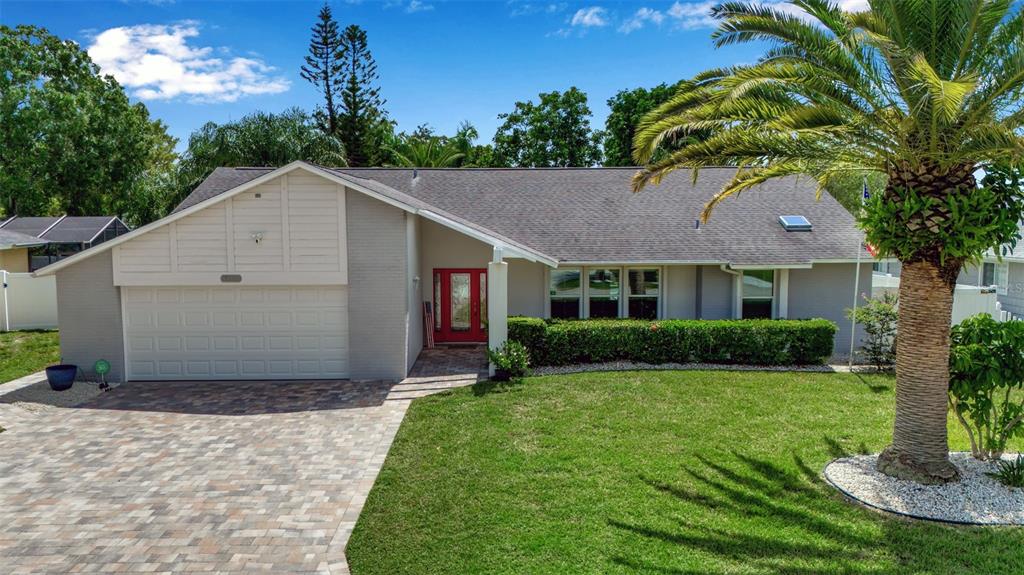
(856, 282)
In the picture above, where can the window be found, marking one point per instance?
(437, 301)
(603, 292)
(565, 293)
(758, 293)
(988, 274)
(483, 302)
(644, 289)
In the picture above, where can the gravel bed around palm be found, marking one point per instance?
(976, 499)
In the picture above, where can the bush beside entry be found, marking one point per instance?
(511, 361)
(754, 341)
(986, 368)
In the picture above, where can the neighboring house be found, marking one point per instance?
(308, 272)
(1005, 272)
(64, 235)
(14, 247)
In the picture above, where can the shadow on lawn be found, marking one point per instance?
(757, 516)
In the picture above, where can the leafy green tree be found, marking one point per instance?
(925, 92)
(70, 141)
(424, 148)
(627, 108)
(552, 133)
(363, 125)
(258, 139)
(418, 152)
(848, 188)
(323, 68)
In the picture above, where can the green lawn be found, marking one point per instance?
(25, 352)
(656, 472)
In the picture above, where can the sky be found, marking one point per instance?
(440, 62)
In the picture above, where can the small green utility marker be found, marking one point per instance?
(101, 367)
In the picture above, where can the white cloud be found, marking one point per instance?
(591, 17)
(641, 18)
(530, 8)
(418, 6)
(689, 15)
(697, 14)
(156, 62)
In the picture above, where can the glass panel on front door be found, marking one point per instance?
(460, 298)
(461, 306)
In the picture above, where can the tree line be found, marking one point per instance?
(72, 142)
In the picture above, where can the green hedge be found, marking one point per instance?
(747, 341)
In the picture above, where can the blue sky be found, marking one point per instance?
(440, 62)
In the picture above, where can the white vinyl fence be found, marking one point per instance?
(967, 300)
(27, 302)
(971, 300)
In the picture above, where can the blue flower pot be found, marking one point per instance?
(61, 377)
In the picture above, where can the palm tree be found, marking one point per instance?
(925, 92)
(431, 152)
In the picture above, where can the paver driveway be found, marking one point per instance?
(172, 477)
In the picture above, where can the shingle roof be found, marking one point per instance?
(590, 214)
(32, 226)
(9, 239)
(69, 229)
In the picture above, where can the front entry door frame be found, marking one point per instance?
(476, 331)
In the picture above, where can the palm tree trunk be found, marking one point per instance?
(920, 450)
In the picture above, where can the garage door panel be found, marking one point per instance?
(237, 333)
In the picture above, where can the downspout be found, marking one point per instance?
(737, 290)
(7, 315)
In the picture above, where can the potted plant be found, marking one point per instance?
(511, 361)
(61, 377)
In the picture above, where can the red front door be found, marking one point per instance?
(460, 305)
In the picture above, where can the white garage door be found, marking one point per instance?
(236, 332)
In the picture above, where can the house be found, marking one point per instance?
(14, 248)
(1004, 272)
(307, 272)
(63, 235)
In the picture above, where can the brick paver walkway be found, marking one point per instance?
(218, 477)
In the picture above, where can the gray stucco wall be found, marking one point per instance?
(378, 293)
(526, 288)
(969, 275)
(715, 293)
(442, 247)
(89, 314)
(680, 292)
(826, 291)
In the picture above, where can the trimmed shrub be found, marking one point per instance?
(529, 331)
(755, 342)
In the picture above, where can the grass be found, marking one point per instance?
(656, 472)
(25, 352)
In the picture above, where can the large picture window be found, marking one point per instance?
(603, 292)
(758, 293)
(565, 291)
(644, 291)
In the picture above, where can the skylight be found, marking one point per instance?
(795, 223)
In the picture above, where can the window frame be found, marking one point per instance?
(629, 292)
(624, 291)
(585, 311)
(773, 314)
(581, 298)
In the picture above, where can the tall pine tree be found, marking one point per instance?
(324, 69)
(361, 117)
